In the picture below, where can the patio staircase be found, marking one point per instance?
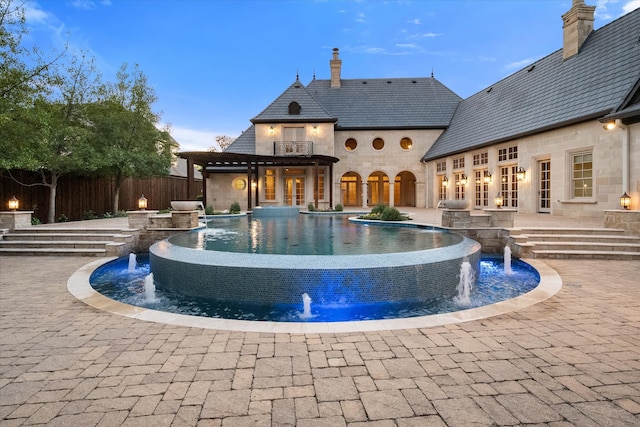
(57, 241)
(574, 243)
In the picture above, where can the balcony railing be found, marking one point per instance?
(292, 148)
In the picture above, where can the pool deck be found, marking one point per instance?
(573, 359)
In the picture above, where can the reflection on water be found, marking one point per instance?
(312, 235)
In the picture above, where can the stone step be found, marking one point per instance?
(86, 244)
(54, 252)
(66, 236)
(587, 246)
(559, 230)
(70, 230)
(575, 238)
(576, 254)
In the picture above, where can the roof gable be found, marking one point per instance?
(245, 143)
(550, 93)
(280, 111)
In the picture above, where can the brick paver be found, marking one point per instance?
(571, 360)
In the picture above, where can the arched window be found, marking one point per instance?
(294, 108)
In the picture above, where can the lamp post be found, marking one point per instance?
(625, 201)
(142, 203)
(13, 203)
(499, 200)
(521, 173)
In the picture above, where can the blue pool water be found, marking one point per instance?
(115, 281)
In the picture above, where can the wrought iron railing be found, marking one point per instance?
(292, 148)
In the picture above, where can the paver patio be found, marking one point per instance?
(571, 360)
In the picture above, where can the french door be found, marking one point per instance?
(294, 190)
(544, 186)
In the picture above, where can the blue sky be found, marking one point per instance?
(216, 64)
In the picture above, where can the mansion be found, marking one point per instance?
(560, 136)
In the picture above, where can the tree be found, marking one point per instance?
(223, 142)
(55, 136)
(125, 131)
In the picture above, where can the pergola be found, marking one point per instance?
(221, 162)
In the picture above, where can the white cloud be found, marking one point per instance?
(414, 21)
(34, 14)
(193, 139)
(518, 64)
(408, 45)
(630, 6)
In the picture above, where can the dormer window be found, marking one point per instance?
(294, 108)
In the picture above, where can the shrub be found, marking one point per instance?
(208, 210)
(339, 207)
(62, 218)
(120, 214)
(89, 215)
(391, 214)
(378, 209)
(311, 207)
(235, 208)
(107, 215)
(35, 221)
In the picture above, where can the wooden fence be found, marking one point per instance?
(77, 197)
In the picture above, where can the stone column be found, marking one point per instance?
(456, 218)
(184, 219)
(501, 218)
(139, 220)
(15, 219)
(628, 220)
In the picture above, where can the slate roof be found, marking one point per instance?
(245, 143)
(395, 103)
(278, 110)
(551, 92)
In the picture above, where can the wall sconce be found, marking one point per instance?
(521, 174)
(254, 185)
(142, 203)
(488, 178)
(271, 130)
(609, 126)
(625, 201)
(315, 130)
(464, 180)
(445, 181)
(13, 203)
(499, 201)
(240, 184)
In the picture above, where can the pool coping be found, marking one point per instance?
(79, 286)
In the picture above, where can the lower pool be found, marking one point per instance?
(118, 281)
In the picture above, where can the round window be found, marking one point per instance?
(350, 144)
(406, 143)
(239, 184)
(378, 144)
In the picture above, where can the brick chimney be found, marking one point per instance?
(578, 24)
(336, 66)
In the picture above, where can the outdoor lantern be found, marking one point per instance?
(142, 203)
(625, 201)
(464, 180)
(13, 203)
(521, 174)
(499, 200)
(487, 177)
(609, 126)
(445, 181)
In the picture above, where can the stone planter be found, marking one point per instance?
(185, 205)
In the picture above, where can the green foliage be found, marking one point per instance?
(35, 221)
(120, 214)
(208, 210)
(235, 208)
(384, 213)
(311, 207)
(378, 209)
(89, 215)
(62, 218)
(107, 215)
(391, 214)
(339, 207)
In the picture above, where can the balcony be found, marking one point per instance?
(292, 148)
